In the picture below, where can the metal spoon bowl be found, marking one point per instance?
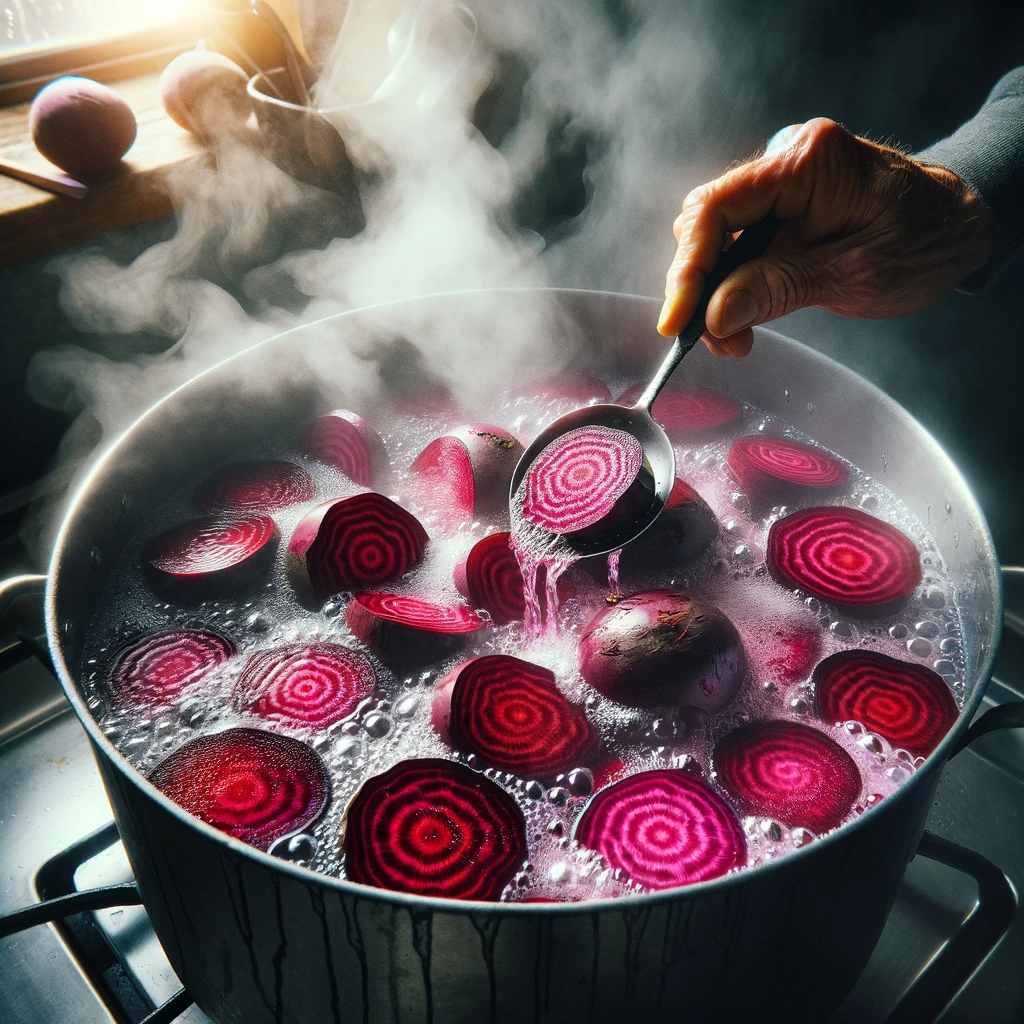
(659, 456)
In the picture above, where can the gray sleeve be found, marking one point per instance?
(988, 153)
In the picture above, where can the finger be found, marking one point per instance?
(738, 345)
(714, 346)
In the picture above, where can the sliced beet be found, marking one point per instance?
(844, 556)
(467, 472)
(254, 785)
(210, 555)
(406, 631)
(663, 828)
(661, 648)
(157, 667)
(311, 684)
(688, 414)
(344, 440)
(512, 715)
(353, 543)
(908, 704)
(582, 478)
(771, 467)
(255, 487)
(788, 771)
(434, 828)
(575, 388)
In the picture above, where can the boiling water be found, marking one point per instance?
(394, 723)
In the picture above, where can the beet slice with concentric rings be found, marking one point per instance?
(789, 772)
(770, 467)
(688, 414)
(844, 556)
(257, 786)
(344, 440)
(511, 714)
(663, 828)
(210, 555)
(434, 828)
(467, 472)
(405, 631)
(582, 478)
(662, 648)
(353, 543)
(157, 667)
(908, 704)
(265, 486)
(305, 684)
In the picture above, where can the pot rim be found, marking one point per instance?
(934, 763)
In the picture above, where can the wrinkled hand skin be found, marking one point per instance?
(867, 232)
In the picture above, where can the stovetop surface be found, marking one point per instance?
(51, 797)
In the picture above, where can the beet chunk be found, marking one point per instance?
(771, 468)
(689, 414)
(663, 648)
(344, 440)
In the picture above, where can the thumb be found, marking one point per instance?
(761, 290)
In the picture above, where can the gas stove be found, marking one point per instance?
(951, 949)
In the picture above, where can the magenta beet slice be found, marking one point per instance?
(767, 466)
(511, 714)
(494, 580)
(354, 543)
(256, 786)
(663, 828)
(688, 413)
(309, 685)
(344, 440)
(406, 631)
(221, 551)
(255, 487)
(159, 666)
(467, 472)
(789, 772)
(661, 648)
(577, 388)
(843, 555)
(434, 828)
(908, 704)
(579, 478)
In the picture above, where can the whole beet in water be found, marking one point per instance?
(352, 544)
(344, 440)
(662, 648)
(434, 828)
(467, 472)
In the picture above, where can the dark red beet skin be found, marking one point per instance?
(312, 685)
(844, 556)
(688, 413)
(213, 555)
(512, 715)
(159, 666)
(344, 440)
(407, 631)
(255, 487)
(434, 828)
(353, 543)
(467, 472)
(789, 772)
(908, 704)
(663, 828)
(254, 785)
(770, 467)
(663, 648)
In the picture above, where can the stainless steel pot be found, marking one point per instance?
(259, 940)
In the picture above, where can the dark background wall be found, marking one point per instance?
(895, 70)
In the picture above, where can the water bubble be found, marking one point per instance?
(472, 761)
(300, 849)
(558, 795)
(872, 744)
(321, 743)
(869, 502)
(68, 629)
(349, 728)
(580, 782)
(95, 557)
(898, 774)
(555, 828)
(559, 872)
(534, 790)
(406, 707)
(814, 604)
(257, 622)
(799, 705)
(841, 629)
(945, 668)
(801, 837)
(722, 566)
(948, 645)
(333, 606)
(663, 728)
(126, 503)
(740, 501)
(769, 687)
(899, 631)
(933, 597)
(772, 829)
(785, 392)
(350, 749)
(919, 647)
(522, 880)
(377, 724)
(745, 554)
(926, 628)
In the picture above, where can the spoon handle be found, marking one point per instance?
(751, 244)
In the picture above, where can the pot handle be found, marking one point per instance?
(19, 586)
(1002, 716)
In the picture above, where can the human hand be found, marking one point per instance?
(867, 232)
